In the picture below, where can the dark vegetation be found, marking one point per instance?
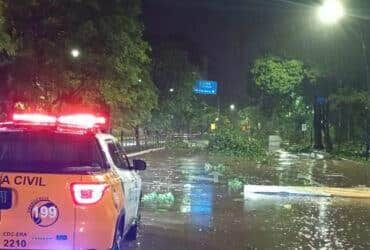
(147, 88)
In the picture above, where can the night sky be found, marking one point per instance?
(232, 33)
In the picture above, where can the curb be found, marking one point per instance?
(144, 152)
(349, 160)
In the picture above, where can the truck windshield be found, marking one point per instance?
(48, 152)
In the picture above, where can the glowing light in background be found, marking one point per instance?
(331, 11)
(75, 53)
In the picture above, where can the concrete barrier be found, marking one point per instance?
(274, 142)
(361, 192)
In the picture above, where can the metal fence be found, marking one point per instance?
(131, 143)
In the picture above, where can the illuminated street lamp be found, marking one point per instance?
(75, 53)
(172, 90)
(232, 107)
(331, 11)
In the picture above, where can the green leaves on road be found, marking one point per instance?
(159, 200)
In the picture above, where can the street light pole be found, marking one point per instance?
(364, 54)
(359, 32)
(330, 12)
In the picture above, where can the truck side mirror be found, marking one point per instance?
(139, 165)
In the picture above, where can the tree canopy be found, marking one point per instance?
(111, 74)
(278, 76)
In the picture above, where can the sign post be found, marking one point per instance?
(205, 87)
(304, 127)
(213, 126)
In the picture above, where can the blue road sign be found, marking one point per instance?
(320, 100)
(204, 87)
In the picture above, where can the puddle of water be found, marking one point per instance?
(317, 171)
(206, 216)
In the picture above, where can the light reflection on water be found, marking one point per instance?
(198, 194)
(198, 203)
(314, 222)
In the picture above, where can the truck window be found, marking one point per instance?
(117, 155)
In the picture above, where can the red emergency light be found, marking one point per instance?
(35, 118)
(79, 121)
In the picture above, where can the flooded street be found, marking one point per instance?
(206, 215)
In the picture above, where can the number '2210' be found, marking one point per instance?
(15, 243)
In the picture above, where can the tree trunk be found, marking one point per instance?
(121, 137)
(326, 128)
(348, 129)
(317, 125)
(137, 136)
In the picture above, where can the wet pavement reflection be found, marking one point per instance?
(206, 215)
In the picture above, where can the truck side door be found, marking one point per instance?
(128, 181)
(136, 191)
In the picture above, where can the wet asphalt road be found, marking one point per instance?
(206, 215)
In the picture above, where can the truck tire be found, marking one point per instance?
(132, 233)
